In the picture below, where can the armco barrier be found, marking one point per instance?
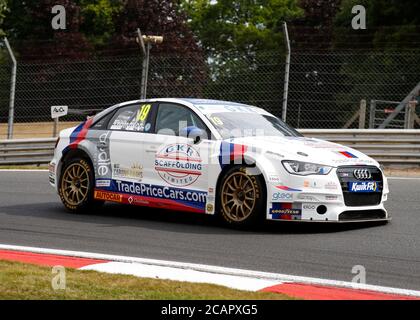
(27, 151)
(397, 147)
(388, 146)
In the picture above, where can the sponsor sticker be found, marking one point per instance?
(309, 207)
(331, 185)
(331, 197)
(51, 168)
(51, 173)
(306, 197)
(352, 161)
(319, 144)
(274, 179)
(347, 154)
(103, 183)
(103, 159)
(179, 164)
(209, 208)
(282, 196)
(286, 211)
(285, 188)
(191, 198)
(135, 172)
(107, 196)
(361, 187)
(310, 184)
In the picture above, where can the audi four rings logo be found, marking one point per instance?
(362, 174)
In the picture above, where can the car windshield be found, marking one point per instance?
(248, 124)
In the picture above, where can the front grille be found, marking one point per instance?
(355, 199)
(362, 215)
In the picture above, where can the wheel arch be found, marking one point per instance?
(70, 153)
(247, 162)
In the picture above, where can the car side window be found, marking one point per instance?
(101, 124)
(172, 117)
(131, 118)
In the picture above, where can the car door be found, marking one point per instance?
(127, 130)
(174, 161)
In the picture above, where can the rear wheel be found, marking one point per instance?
(241, 197)
(76, 186)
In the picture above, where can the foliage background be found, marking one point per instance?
(224, 49)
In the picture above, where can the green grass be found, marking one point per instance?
(30, 282)
(26, 167)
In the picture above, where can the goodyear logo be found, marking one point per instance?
(285, 211)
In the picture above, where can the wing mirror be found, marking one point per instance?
(196, 134)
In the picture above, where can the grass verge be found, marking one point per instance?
(30, 282)
(24, 167)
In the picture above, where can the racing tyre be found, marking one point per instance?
(241, 198)
(76, 186)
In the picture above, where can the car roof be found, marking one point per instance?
(192, 101)
(196, 101)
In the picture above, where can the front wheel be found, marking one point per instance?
(241, 197)
(76, 186)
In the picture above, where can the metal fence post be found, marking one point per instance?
(286, 73)
(145, 71)
(411, 114)
(12, 91)
(372, 114)
(148, 40)
(362, 114)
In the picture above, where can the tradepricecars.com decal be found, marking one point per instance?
(179, 164)
(152, 195)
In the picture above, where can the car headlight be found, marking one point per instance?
(305, 168)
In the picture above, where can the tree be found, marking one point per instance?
(97, 19)
(315, 29)
(28, 25)
(155, 17)
(390, 24)
(96, 24)
(226, 26)
(3, 11)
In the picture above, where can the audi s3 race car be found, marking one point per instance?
(213, 157)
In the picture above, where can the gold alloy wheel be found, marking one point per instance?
(238, 196)
(75, 184)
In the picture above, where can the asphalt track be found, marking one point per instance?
(31, 215)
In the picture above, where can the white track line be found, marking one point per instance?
(217, 270)
(185, 275)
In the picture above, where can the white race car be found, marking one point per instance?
(214, 157)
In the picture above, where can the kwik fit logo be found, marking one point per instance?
(363, 187)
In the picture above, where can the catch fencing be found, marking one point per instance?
(325, 90)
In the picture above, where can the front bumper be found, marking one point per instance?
(322, 199)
